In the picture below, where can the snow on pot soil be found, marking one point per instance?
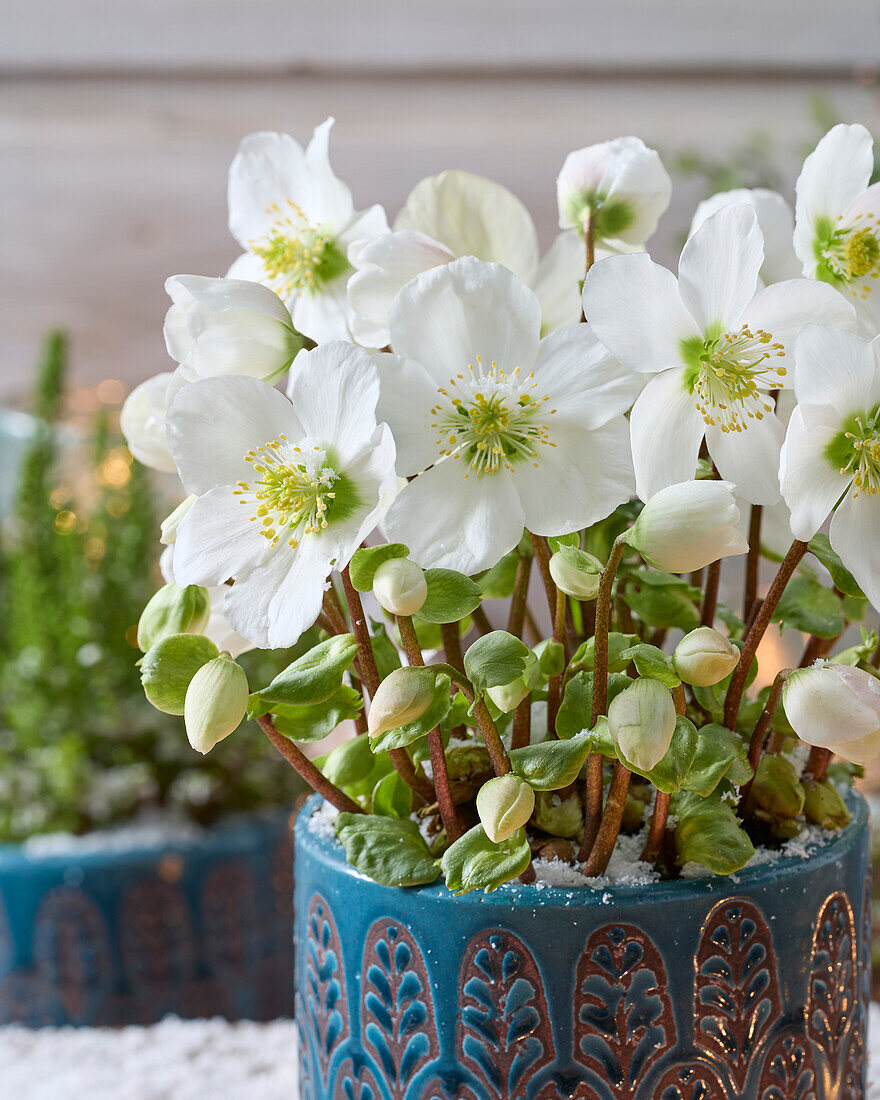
(181, 1060)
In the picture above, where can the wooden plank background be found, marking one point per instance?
(118, 121)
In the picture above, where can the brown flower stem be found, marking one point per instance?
(817, 763)
(753, 559)
(593, 785)
(589, 249)
(759, 734)
(522, 724)
(660, 814)
(610, 826)
(492, 738)
(517, 617)
(816, 648)
(298, 760)
(334, 614)
(452, 645)
(481, 621)
(757, 630)
(542, 556)
(554, 688)
(710, 596)
(532, 628)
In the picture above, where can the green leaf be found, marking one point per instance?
(401, 736)
(392, 797)
(617, 644)
(367, 560)
(495, 659)
(844, 581)
(388, 850)
(450, 597)
(172, 610)
(314, 721)
(473, 862)
(551, 657)
(354, 768)
(601, 740)
(552, 765)
(717, 749)
(663, 606)
(669, 775)
(810, 607)
(777, 792)
(168, 666)
(576, 710)
(556, 542)
(579, 559)
(498, 582)
(384, 650)
(312, 678)
(652, 663)
(708, 831)
(457, 714)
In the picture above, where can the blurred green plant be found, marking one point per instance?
(80, 748)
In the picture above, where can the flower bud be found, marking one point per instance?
(688, 526)
(573, 581)
(776, 792)
(142, 421)
(215, 703)
(558, 816)
(704, 657)
(507, 697)
(504, 804)
(402, 697)
(835, 707)
(641, 722)
(400, 586)
(823, 805)
(171, 522)
(173, 610)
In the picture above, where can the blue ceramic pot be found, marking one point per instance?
(198, 928)
(754, 986)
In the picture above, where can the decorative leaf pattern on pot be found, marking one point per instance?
(230, 917)
(563, 1088)
(788, 1072)
(157, 939)
(71, 952)
(354, 1083)
(397, 1012)
(504, 1031)
(692, 1082)
(326, 1004)
(833, 1007)
(450, 1087)
(736, 992)
(623, 1015)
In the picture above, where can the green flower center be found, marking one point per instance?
(491, 419)
(296, 491)
(297, 255)
(850, 253)
(855, 451)
(730, 376)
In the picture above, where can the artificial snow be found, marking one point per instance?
(323, 821)
(150, 830)
(624, 869)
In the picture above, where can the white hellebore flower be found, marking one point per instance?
(215, 702)
(228, 326)
(504, 429)
(831, 454)
(835, 707)
(717, 348)
(459, 214)
(619, 186)
(142, 421)
(287, 489)
(775, 220)
(837, 218)
(688, 526)
(217, 629)
(297, 224)
(641, 722)
(400, 587)
(504, 804)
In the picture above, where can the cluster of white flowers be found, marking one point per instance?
(443, 388)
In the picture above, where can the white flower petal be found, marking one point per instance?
(365, 227)
(814, 702)
(666, 432)
(377, 480)
(776, 221)
(474, 216)
(216, 540)
(454, 522)
(837, 370)
(214, 422)
(579, 481)
(719, 265)
(634, 307)
(248, 267)
(855, 535)
(325, 315)
(406, 397)
(218, 295)
(450, 316)
(143, 422)
(810, 484)
(558, 282)
(750, 458)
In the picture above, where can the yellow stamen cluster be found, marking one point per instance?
(864, 465)
(853, 253)
(491, 419)
(293, 493)
(292, 250)
(733, 378)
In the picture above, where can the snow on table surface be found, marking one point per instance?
(178, 1060)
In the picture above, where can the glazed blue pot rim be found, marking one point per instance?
(236, 831)
(768, 874)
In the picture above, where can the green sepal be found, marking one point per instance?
(718, 749)
(708, 832)
(810, 607)
(392, 797)
(315, 721)
(401, 736)
(312, 678)
(364, 562)
(473, 862)
(496, 659)
(451, 596)
(389, 850)
(652, 663)
(172, 610)
(577, 558)
(552, 765)
(601, 741)
(844, 581)
(168, 666)
(669, 775)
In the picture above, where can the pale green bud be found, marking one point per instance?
(173, 610)
(579, 583)
(777, 792)
(216, 701)
(823, 805)
(704, 657)
(402, 697)
(507, 697)
(558, 816)
(171, 522)
(400, 586)
(504, 804)
(641, 722)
